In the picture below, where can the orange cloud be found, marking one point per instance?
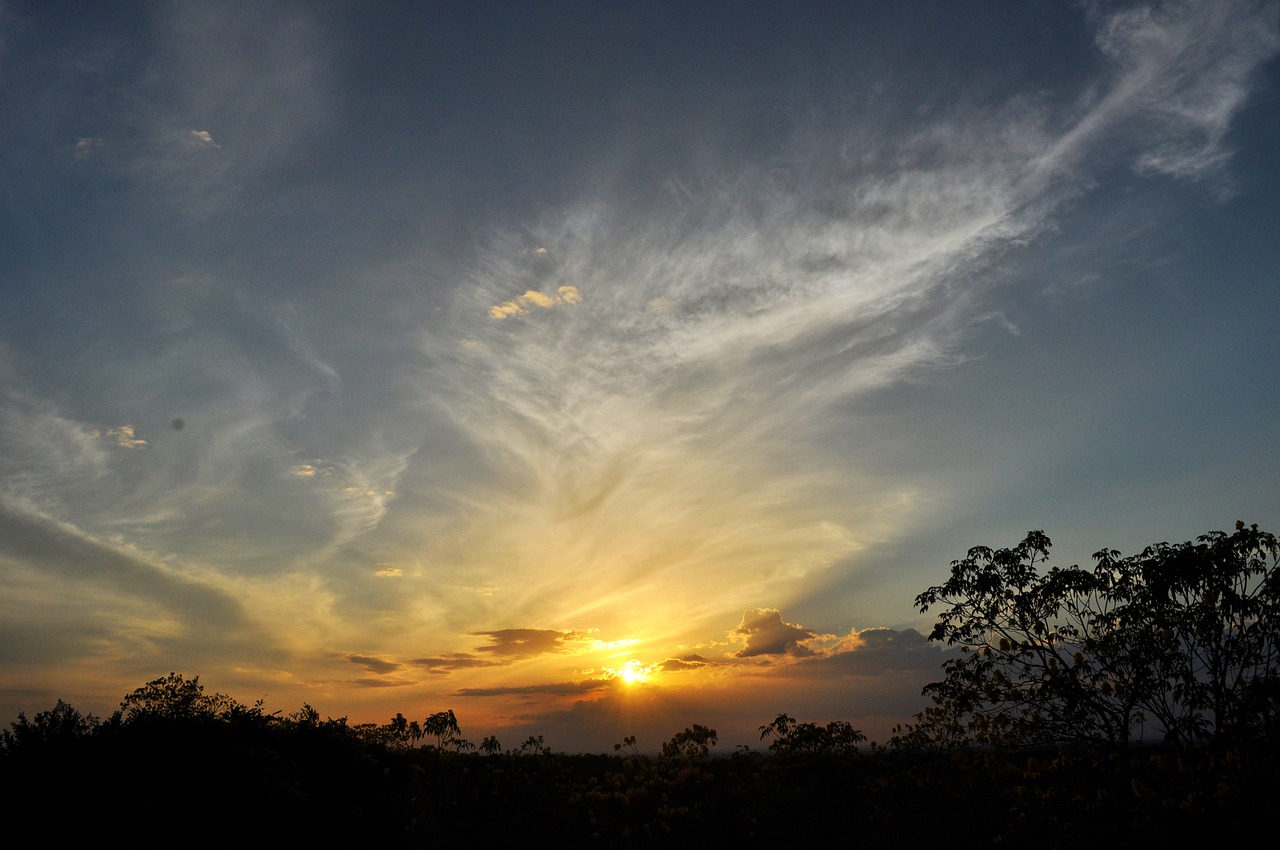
(533, 298)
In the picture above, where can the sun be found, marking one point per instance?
(633, 673)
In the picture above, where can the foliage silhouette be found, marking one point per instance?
(693, 744)
(219, 775)
(443, 725)
(1183, 638)
(58, 728)
(534, 745)
(174, 697)
(792, 738)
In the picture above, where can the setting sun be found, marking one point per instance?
(633, 673)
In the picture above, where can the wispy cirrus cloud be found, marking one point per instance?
(720, 324)
(142, 607)
(1189, 67)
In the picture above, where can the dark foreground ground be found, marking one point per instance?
(260, 784)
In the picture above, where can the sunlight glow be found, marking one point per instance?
(633, 672)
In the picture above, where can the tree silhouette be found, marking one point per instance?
(792, 738)
(58, 728)
(780, 726)
(443, 725)
(398, 730)
(176, 698)
(1185, 636)
(693, 744)
(532, 746)
(1214, 607)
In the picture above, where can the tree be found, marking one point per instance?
(174, 697)
(629, 747)
(59, 727)
(444, 726)
(693, 744)
(836, 738)
(1185, 637)
(397, 730)
(532, 746)
(1024, 673)
(1215, 605)
(305, 717)
(780, 726)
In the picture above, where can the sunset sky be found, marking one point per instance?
(598, 369)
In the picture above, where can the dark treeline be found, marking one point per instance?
(1030, 737)
(209, 770)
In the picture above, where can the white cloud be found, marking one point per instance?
(201, 139)
(1188, 67)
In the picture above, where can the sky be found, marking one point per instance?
(598, 369)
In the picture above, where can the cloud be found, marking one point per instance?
(380, 683)
(1202, 56)
(123, 436)
(533, 298)
(526, 643)
(85, 147)
(201, 139)
(374, 664)
(548, 689)
(141, 605)
(876, 652)
(684, 663)
(1182, 71)
(355, 490)
(865, 652)
(719, 382)
(763, 632)
(456, 661)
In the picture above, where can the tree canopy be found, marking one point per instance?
(1180, 641)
